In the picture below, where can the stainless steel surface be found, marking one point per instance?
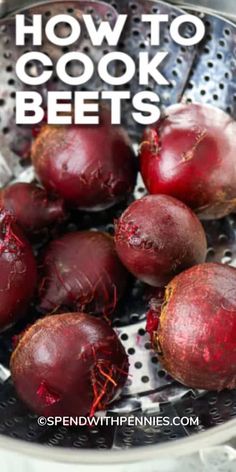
(223, 7)
(150, 389)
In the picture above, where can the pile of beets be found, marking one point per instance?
(71, 361)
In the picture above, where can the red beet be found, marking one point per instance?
(158, 237)
(69, 365)
(17, 271)
(196, 335)
(81, 271)
(31, 206)
(190, 154)
(91, 167)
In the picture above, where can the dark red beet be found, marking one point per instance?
(82, 272)
(17, 271)
(158, 237)
(69, 365)
(90, 167)
(31, 206)
(196, 335)
(190, 155)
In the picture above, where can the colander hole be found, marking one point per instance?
(136, 32)
(77, 443)
(229, 110)
(7, 55)
(203, 92)
(90, 10)
(86, 49)
(47, 13)
(9, 423)
(154, 360)
(227, 32)
(210, 64)
(147, 345)
(93, 431)
(124, 337)
(222, 43)
(11, 401)
(219, 55)
(141, 332)
(161, 373)
(145, 379)
(155, 9)
(215, 96)
(133, 6)
(138, 365)
(5, 130)
(228, 402)
(223, 238)
(2, 102)
(221, 86)
(175, 73)
(228, 253)
(166, 39)
(207, 78)
(11, 82)
(70, 10)
(206, 50)
(210, 252)
(136, 19)
(213, 411)
(9, 69)
(141, 189)
(142, 46)
(179, 60)
(131, 351)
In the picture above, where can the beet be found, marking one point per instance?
(196, 334)
(82, 272)
(158, 237)
(190, 154)
(18, 272)
(31, 206)
(69, 365)
(90, 167)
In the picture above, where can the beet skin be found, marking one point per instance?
(69, 365)
(82, 272)
(158, 237)
(90, 167)
(31, 206)
(190, 154)
(18, 273)
(196, 334)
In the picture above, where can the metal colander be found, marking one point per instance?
(207, 74)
